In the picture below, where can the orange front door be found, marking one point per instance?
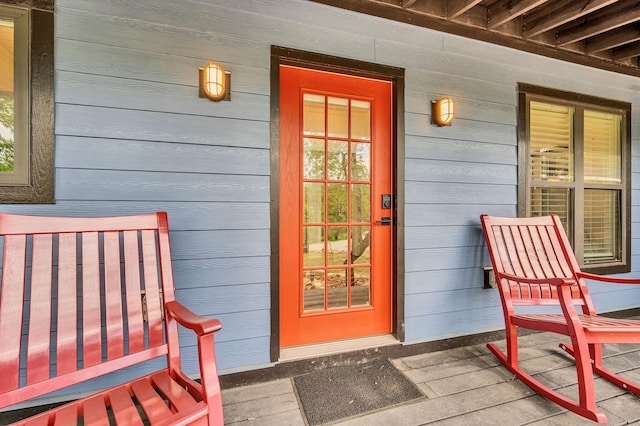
(336, 206)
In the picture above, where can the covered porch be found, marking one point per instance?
(461, 386)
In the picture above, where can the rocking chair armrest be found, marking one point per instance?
(186, 318)
(602, 278)
(557, 281)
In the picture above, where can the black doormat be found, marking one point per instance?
(339, 392)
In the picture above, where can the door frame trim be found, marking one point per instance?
(317, 61)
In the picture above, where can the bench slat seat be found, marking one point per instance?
(84, 297)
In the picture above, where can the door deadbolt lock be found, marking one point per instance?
(386, 201)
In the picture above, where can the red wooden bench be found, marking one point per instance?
(83, 297)
(534, 265)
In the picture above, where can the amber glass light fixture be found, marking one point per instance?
(215, 82)
(442, 111)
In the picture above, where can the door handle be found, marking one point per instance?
(384, 220)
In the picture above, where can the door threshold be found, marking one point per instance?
(340, 346)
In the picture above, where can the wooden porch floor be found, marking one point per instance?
(463, 386)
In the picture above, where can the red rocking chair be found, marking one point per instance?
(534, 265)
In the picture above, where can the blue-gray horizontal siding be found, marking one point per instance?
(132, 136)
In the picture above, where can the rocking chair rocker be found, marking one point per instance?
(534, 265)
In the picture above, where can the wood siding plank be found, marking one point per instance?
(153, 156)
(78, 120)
(105, 185)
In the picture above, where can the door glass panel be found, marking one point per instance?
(337, 245)
(361, 120)
(313, 158)
(313, 114)
(338, 118)
(360, 241)
(338, 160)
(337, 204)
(361, 286)
(313, 282)
(313, 202)
(360, 161)
(360, 203)
(313, 251)
(337, 288)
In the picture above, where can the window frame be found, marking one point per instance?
(528, 93)
(41, 135)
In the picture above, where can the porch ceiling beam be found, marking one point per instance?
(599, 26)
(456, 8)
(500, 16)
(616, 39)
(626, 52)
(573, 11)
(533, 30)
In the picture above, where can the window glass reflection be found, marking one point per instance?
(360, 161)
(313, 202)
(360, 203)
(313, 286)
(337, 288)
(361, 120)
(337, 203)
(338, 162)
(313, 158)
(313, 249)
(360, 286)
(338, 117)
(337, 245)
(313, 114)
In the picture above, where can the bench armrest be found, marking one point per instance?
(200, 325)
(553, 281)
(607, 279)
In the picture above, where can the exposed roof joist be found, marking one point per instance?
(599, 33)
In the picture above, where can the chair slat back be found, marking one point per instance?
(80, 297)
(533, 248)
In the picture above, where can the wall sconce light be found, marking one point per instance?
(442, 111)
(215, 82)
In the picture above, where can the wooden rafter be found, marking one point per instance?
(574, 11)
(627, 52)
(408, 3)
(501, 16)
(613, 39)
(600, 26)
(599, 33)
(456, 8)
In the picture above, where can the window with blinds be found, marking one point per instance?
(576, 150)
(551, 142)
